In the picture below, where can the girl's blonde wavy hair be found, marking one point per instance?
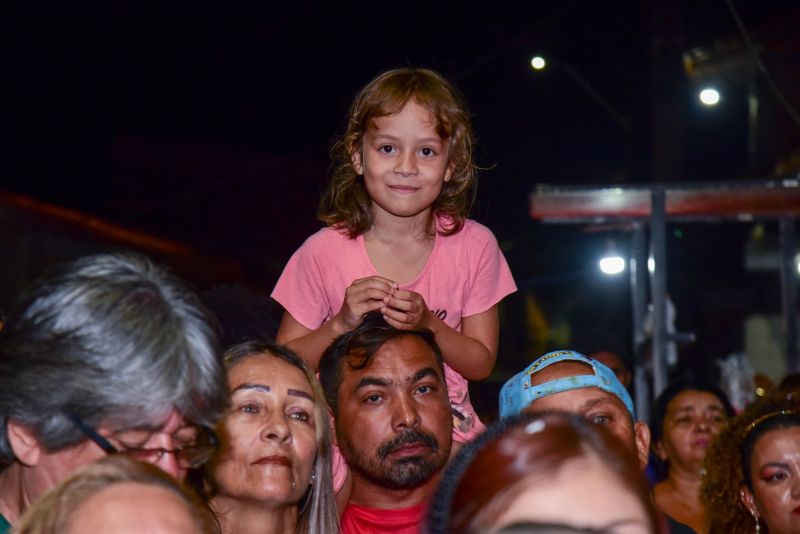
(345, 204)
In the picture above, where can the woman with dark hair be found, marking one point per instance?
(273, 472)
(752, 481)
(546, 468)
(686, 417)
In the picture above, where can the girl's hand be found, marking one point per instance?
(406, 310)
(363, 296)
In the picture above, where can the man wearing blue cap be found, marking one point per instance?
(570, 382)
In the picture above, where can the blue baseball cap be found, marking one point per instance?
(517, 393)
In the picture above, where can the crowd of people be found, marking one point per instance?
(123, 411)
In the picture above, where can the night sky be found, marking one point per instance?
(210, 125)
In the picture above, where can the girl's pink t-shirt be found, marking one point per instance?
(466, 274)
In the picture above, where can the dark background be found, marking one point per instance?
(209, 125)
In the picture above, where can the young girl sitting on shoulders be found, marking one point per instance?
(397, 238)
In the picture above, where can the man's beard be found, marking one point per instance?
(397, 474)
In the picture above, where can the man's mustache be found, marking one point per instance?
(411, 436)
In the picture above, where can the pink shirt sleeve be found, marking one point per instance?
(490, 278)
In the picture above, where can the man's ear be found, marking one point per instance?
(749, 502)
(26, 446)
(641, 435)
(355, 158)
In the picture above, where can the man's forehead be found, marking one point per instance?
(577, 401)
(399, 359)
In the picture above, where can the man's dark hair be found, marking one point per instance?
(357, 347)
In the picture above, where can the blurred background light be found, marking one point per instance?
(612, 264)
(538, 63)
(709, 96)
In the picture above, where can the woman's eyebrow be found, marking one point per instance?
(299, 393)
(781, 465)
(257, 387)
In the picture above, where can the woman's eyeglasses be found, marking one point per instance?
(190, 456)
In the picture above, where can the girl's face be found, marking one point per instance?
(775, 471)
(692, 419)
(404, 163)
(269, 436)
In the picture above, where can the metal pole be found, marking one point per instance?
(752, 123)
(789, 293)
(638, 281)
(658, 281)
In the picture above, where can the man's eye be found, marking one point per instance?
(600, 419)
(373, 399)
(424, 389)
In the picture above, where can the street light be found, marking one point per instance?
(709, 96)
(538, 63)
(612, 265)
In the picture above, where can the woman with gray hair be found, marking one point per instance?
(273, 471)
(107, 354)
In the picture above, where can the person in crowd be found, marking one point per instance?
(686, 416)
(789, 386)
(107, 354)
(273, 471)
(398, 240)
(568, 381)
(607, 348)
(614, 361)
(550, 468)
(121, 495)
(752, 470)
(387, 391)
